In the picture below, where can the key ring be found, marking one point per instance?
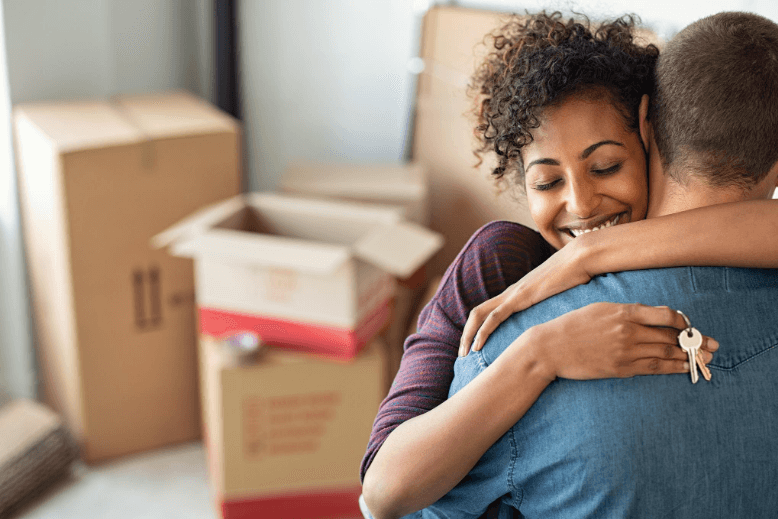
(688, 329)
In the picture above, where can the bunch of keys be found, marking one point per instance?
(690, 341)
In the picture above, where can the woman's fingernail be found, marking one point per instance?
(713, 344)
(686, 366)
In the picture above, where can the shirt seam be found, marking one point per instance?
(749, 359)
(516, 491)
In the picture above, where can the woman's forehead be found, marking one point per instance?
(577, 124)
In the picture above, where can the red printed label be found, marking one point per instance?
(289, 424)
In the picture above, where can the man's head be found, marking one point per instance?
(715, 110)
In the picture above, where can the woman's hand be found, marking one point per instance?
(613, 340)
(563, 270)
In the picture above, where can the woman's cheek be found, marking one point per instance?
(543, 212)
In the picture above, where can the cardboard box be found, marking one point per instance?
(398, 185)
(462, 198)
(285, 436)
(36, 451)
(114, 319)
(301, 273)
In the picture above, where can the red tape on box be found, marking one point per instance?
(336, 342)
(326, 504)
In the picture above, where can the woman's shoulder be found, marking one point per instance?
(504, 241)
(496, 256)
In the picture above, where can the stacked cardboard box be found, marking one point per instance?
(403, 186)
(301, 273)
(315, 280)
(114, 319)
(285, 435)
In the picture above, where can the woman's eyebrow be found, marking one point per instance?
(588, 151)
(547, 162)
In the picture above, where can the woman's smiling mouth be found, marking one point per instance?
(575, 232)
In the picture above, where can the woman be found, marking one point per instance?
(555, 94)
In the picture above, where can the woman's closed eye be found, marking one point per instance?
(545, 185)
(608, 170)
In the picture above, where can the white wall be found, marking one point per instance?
(666, 17)
(82, 49)
(328, 80)
(98, 48)
(16, 366)
(324, 80)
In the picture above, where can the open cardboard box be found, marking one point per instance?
(402, 186)
(302, 273)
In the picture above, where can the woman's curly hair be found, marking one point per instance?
(540, 60)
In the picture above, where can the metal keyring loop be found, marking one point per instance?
(688, 329)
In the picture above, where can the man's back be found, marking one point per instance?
(647, 446)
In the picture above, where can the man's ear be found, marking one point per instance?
(644, 125)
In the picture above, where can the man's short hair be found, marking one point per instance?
(715, 109)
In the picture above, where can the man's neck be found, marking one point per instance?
(668, 196)
(676, 197)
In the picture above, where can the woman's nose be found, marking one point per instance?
(582, 198)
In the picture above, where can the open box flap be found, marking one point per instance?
(198, 222)
(400, 249)
(263, 250)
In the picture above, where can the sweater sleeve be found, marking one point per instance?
(495, 257)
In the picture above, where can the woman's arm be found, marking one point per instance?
(496, 256)
(741, 234)
(427, 456)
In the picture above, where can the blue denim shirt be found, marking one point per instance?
(652, 446)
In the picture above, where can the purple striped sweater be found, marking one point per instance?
(496, 256)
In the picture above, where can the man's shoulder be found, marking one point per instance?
(709, 292)
(649, 284)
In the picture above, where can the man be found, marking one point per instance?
(660, 446)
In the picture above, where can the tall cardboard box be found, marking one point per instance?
(302, 273)
(285, 435)
(114, 319)
(462, 198)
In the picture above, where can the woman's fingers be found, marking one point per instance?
(493, 320)
(666, 351)
(709, 344)
(474, 321)
(658, 350)
(655, 316)
(656, 366)
(662, 324)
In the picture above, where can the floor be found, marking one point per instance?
(167, 484)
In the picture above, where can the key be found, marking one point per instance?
(690, 340)
(703, 368)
